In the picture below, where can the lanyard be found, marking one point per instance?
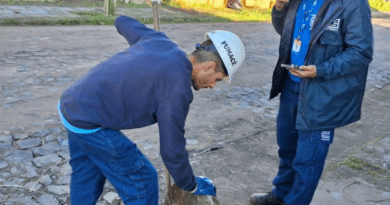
(306, 17)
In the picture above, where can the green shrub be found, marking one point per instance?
(380, 5)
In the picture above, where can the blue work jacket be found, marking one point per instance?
(150, 82)
(341, 47)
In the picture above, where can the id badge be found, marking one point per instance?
(297, 45)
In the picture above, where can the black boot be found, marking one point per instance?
(265, 199)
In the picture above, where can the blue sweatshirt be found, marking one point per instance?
(306, 15)
(148, 83)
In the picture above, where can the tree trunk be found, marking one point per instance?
(109, 7)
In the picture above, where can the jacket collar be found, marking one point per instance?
(288, 29)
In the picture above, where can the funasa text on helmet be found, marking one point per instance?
(230, 53)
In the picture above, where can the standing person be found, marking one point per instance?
(332, 43)
(148, 83)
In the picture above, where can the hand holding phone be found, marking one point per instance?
(291, 67)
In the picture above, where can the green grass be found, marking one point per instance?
(379, 5)
(361, 165)
(74, 3)
(242, 15)
(96, 18)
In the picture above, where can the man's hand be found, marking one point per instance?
(204, 186)
(279, 5)
(305, 71)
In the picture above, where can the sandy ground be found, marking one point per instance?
(38, 63)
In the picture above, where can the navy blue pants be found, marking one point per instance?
(109, 154)
(302, 154)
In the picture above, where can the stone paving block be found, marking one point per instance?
(110, 197)
(30, 172)
(3, 164)
(46, 160)
(62, 139)
(64, 189)
(6, 138)
(62, 200)
(64, 154)
(20, 198)
(40, 133)
(5, 174)
(65, 170)
(25, 144)
(15, 181)
(15, 171)
(50, 138)
(45, 179)
(48, 199)
(19, 136)
(56, 130)
(63, 180)
(5, 145)
(20, 156)
(46, 149)
(31, 203)
(36, 186)
(5, 141)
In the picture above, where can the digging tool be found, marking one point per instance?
(156, 21)
(156, 17)
(175, 195)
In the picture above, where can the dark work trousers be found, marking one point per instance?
(302, 154)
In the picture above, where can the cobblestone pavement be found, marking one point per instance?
(38, 63)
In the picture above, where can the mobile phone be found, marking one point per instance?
(292, 66)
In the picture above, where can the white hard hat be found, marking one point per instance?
(230, 49)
